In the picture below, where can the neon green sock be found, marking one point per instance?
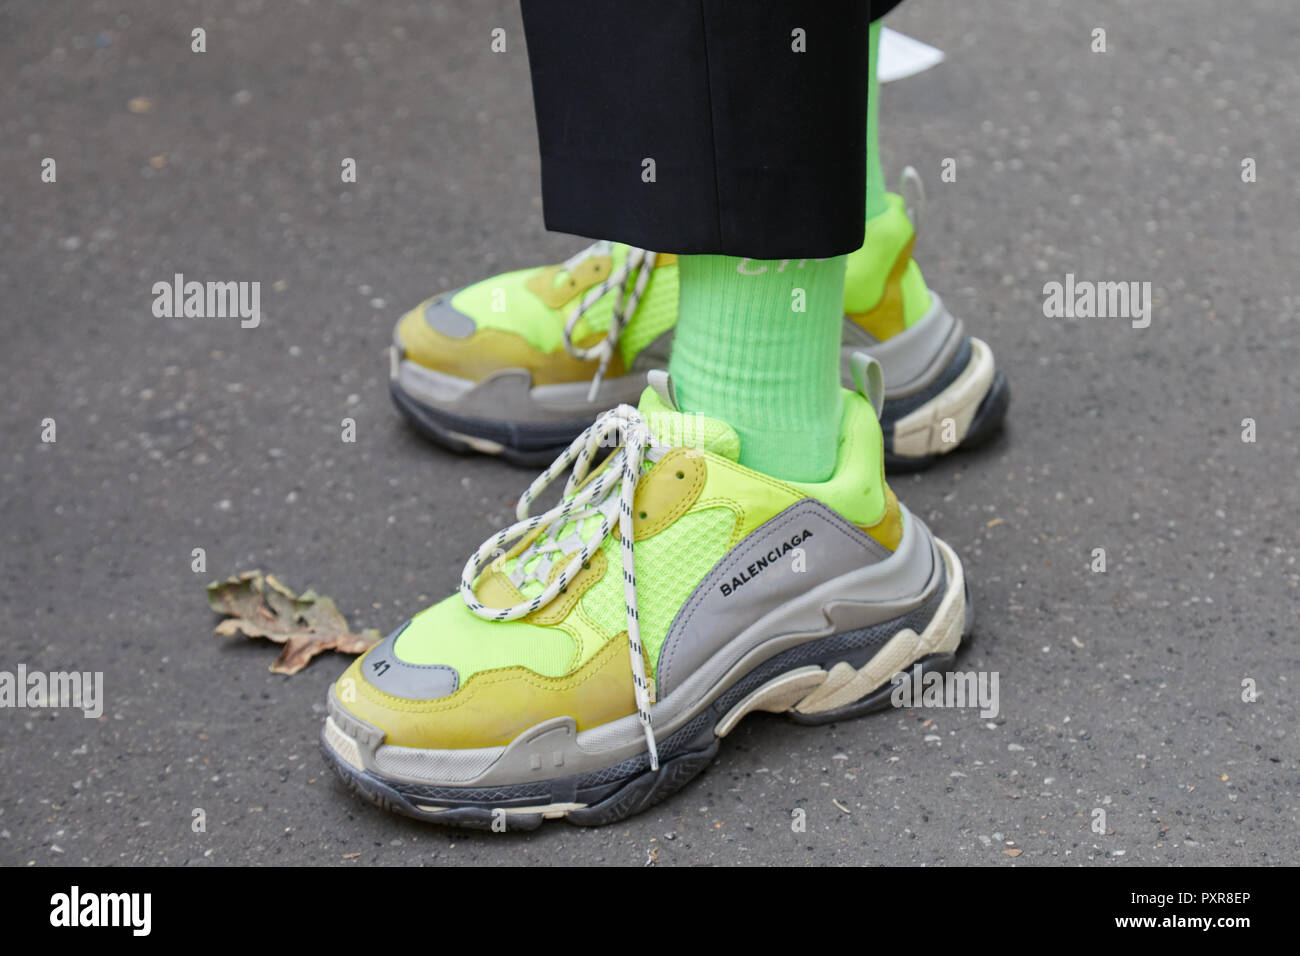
(758, 346)
(888, 229)
(875, 171)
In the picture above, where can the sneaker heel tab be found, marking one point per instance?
(912, 188)
(662, 383)
(868, 379)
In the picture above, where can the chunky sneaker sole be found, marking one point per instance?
(830, 655)
(534, 423)
(943, 391)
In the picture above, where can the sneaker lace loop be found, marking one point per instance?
(612, 489)
(637, 265)
(912, 188)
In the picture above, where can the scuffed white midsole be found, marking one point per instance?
(811, 690)
(942, 423)
(806, 690)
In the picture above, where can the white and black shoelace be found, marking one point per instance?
(638, 262)
(613, 489)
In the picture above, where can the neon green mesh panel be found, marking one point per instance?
(595, 319)
(450, 633)
(916, 297)
(684, 430)
(603, 603)
(668, 567)
(531, 556)
(524, 314)
(656, 314)
(521, 311)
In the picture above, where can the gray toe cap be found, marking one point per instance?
(385, 671)
(449, 321)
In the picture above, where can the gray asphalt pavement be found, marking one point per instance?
(1121, 691)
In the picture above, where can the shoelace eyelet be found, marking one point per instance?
(578, 504)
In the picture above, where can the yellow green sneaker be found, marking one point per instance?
(597, 653)
(518, 364)
(943, 390)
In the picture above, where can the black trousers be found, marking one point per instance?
(733, 127)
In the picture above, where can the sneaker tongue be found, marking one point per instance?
(676, 429)
(671, 429)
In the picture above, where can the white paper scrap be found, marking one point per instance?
(901, 56)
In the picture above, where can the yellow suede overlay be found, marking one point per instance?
(555, 612)
(478, 356)
(667, 491)
(886, 319)
(494, 707)
(494, 589)
(889, 529)
(584, 275)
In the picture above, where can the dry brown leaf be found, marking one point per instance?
(1012, 852)
(306, 624)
